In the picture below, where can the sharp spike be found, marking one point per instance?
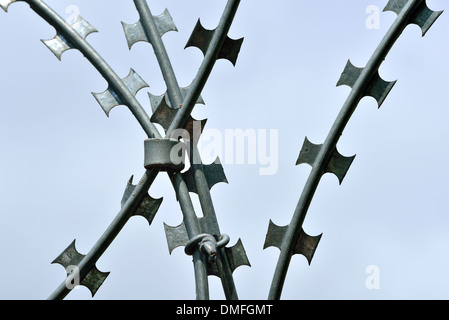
(349, 75)
(422, 16)
(128, 191)
(4, 4)
(185, 91)
(163, 114)
(156, 100)
(134, 82)
(70, 256)
(274, 236)
(378, 88)
(176, 236)
(83, 28)
(194, 129)
(147, 208)
(338, 164)
(164, 23)
(213, 172)
(202, 37)
(308, 153)
(59, 44)
(94, 279)
(134, 33)
(231, 50)
(237, 256)
(107, 100)
(395, 5)
(305, 245)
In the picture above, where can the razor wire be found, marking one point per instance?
(202, 237)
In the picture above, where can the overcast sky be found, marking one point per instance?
(64, 164)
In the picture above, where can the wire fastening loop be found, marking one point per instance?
(207, 244)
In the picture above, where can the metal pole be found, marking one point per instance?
(360, 88)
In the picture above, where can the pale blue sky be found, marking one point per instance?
(64, 164)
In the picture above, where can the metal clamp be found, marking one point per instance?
(207, 245)
(163, 153)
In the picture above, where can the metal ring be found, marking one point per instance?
(224, 241)
(191, 245)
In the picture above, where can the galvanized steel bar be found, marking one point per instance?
(80, 43)
(190, 218)
(208, 63)
(43, 10)
(149, 27)
(329, 146)
(111, 232)
(122, 90)
(193, 229)
(175, 97)
(122, 217)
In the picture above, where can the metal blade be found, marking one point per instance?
(59, 44)
(305, 245)
(71, 257)
(338, 164)
(176, 236)
(164, 116)
(109, 99)
(156, 100)
(134, 82)
(202, 37)
(164, 23)
(94, 279)
(213, 172)
(83, 28)
(134, 33)
(237, 256)
(378, 89)
(148, 206)
(4, 4)
(423, 16)
(275, 235)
